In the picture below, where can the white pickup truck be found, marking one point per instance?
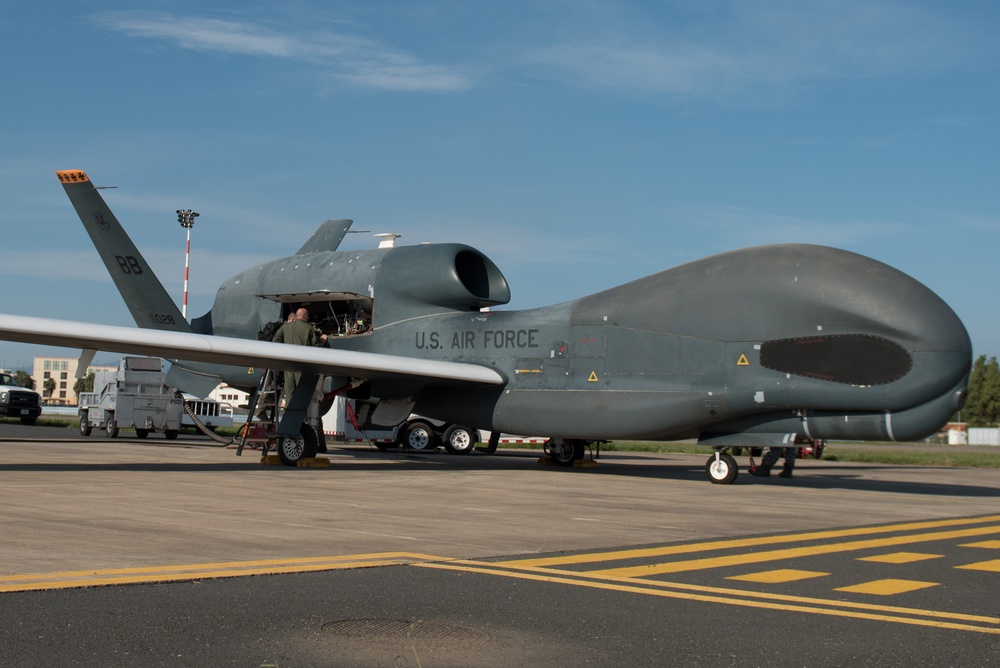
(17, 401)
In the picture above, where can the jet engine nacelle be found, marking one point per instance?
(448, 276)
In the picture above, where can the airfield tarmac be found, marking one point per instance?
(129, 552)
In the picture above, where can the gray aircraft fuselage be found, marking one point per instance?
(736, 349)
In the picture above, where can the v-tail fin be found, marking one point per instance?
(143, 293)
(327, 237)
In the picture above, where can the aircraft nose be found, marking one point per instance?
(936, 338)
(937, 342)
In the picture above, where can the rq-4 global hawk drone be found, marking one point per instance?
(768, 346)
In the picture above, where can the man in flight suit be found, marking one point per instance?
(299, 332)
(771, 458)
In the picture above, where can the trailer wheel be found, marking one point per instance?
(141, 433)
(170, 434)
(303, 446)
(111, 429)
(459, 440)
(84, 424)
(420, 436)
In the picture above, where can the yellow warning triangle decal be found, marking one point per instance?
(250, 371)
(743, 361)
(593, 377)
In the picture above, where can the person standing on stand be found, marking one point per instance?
(297, 331)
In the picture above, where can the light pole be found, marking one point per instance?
(186, 218)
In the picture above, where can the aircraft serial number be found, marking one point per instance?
(162, 319)
(497, 339)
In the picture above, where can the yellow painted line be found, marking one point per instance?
(888, 587)
(987, 544)
(791, 553)
(779, 576)
(992, 566)
(735, 597)
(180, 572)
(768, 596)
(690, 548)
(901, 557)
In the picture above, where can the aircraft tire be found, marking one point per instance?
(565, 452)
(722, 472)
(303, 446)
(420, 436)
(459, 440)
(141, 433)
(84, 425)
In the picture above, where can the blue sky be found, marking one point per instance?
(578, 144)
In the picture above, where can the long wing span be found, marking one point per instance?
(240, 352)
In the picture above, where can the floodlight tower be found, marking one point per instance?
(186, 218)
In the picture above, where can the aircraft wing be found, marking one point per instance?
(241, 352)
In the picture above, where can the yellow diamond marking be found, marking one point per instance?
(901, 557)
(887, 587)
(988, 544)
(778, 576)
(992, 566)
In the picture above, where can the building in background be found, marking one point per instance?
(229, 395)
(62, 372)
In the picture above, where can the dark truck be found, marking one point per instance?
(17, 401)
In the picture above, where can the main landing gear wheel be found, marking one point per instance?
(459, 440)
(303, 446)
(565, 451)
(721, 469)
(420, 436)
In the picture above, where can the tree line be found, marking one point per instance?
(982, 408)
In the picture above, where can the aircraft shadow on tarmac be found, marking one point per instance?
(830, 477)
(615, 464)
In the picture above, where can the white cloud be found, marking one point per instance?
(352, 59)
(204, 34)
(725, 50)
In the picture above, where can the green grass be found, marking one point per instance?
(984, 460)
(67, 423)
